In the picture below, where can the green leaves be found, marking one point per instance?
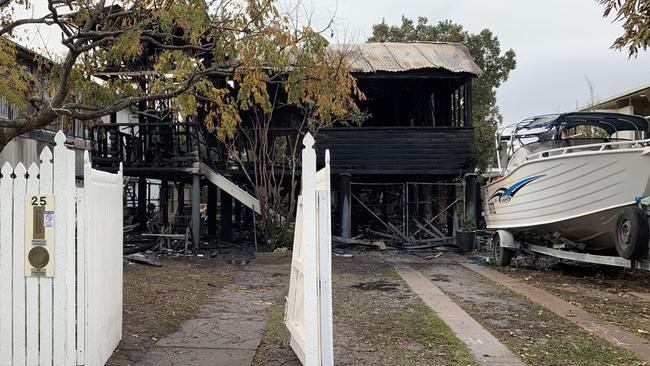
(16, 83)
(635, 15)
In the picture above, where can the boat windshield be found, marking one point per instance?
(517, 141)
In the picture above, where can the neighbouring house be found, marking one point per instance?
(25, 148)
(635, 101)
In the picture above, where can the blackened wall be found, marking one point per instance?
(398, 150)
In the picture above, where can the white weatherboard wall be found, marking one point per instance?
(309, 304)
(45, 320)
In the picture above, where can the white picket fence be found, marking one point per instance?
(74, 317)
(308, 315)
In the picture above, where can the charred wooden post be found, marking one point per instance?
(212, 210)
(180, 193)
(164, 202)
(196, 211)
(346, 205)
(226, 216)
(468, 103)
(451, 197)
(470, 196)
(237, 213)
(142, 202)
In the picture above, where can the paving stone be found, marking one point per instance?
(228, 330)
(175, 356)
(484, 346)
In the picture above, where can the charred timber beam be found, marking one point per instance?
(196, 211)
(346, 205)
(212, 210)
(142, 202)
(226, 216)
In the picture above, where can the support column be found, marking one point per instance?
(346, 205)
(142, 202)
(237, 213)
(226, 216)
(451, 197)
(164, 202)
(471, 196)
(468, 103)
(196, 211)
(212, 210)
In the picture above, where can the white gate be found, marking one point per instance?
(309, 304)
(73, 317)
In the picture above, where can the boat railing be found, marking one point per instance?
(605, 146)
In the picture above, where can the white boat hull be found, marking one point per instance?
(577, 194)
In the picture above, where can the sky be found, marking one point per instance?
(559, 44)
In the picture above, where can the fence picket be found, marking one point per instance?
(45, 284)
(325, 264)
(60, 251)
(70, 188)
(81, 278)
(31, 290)
(20, 184)
(6, 255)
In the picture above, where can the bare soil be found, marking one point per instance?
(377, 321)
(158, 299)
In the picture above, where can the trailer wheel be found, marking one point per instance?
(502, 256)
(632, 234)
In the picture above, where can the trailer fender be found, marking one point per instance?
(507, 240)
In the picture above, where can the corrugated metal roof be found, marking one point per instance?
(396, 57)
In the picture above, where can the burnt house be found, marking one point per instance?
(405, 161)
(418, 140)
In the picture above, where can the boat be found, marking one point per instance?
(583, 177)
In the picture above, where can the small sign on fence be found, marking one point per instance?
(309, 304)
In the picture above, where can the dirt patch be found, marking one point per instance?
(158, 300)
(378, 327)
(275, 348)
(534, 334)
(605, 292)
(384, 286)
(377, 321)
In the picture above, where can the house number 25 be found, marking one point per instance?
(39, 201)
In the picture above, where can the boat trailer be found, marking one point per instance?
(505, 247)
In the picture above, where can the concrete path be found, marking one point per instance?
(607, 331)
(483, 345)
(227, 331)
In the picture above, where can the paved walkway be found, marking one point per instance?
(483, 345)
(605, 330)
(228, 330)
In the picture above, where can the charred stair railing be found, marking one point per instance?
(144, 148)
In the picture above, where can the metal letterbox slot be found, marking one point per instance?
(39, 222)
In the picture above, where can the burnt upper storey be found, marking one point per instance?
(419, 106)
(418, 124)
